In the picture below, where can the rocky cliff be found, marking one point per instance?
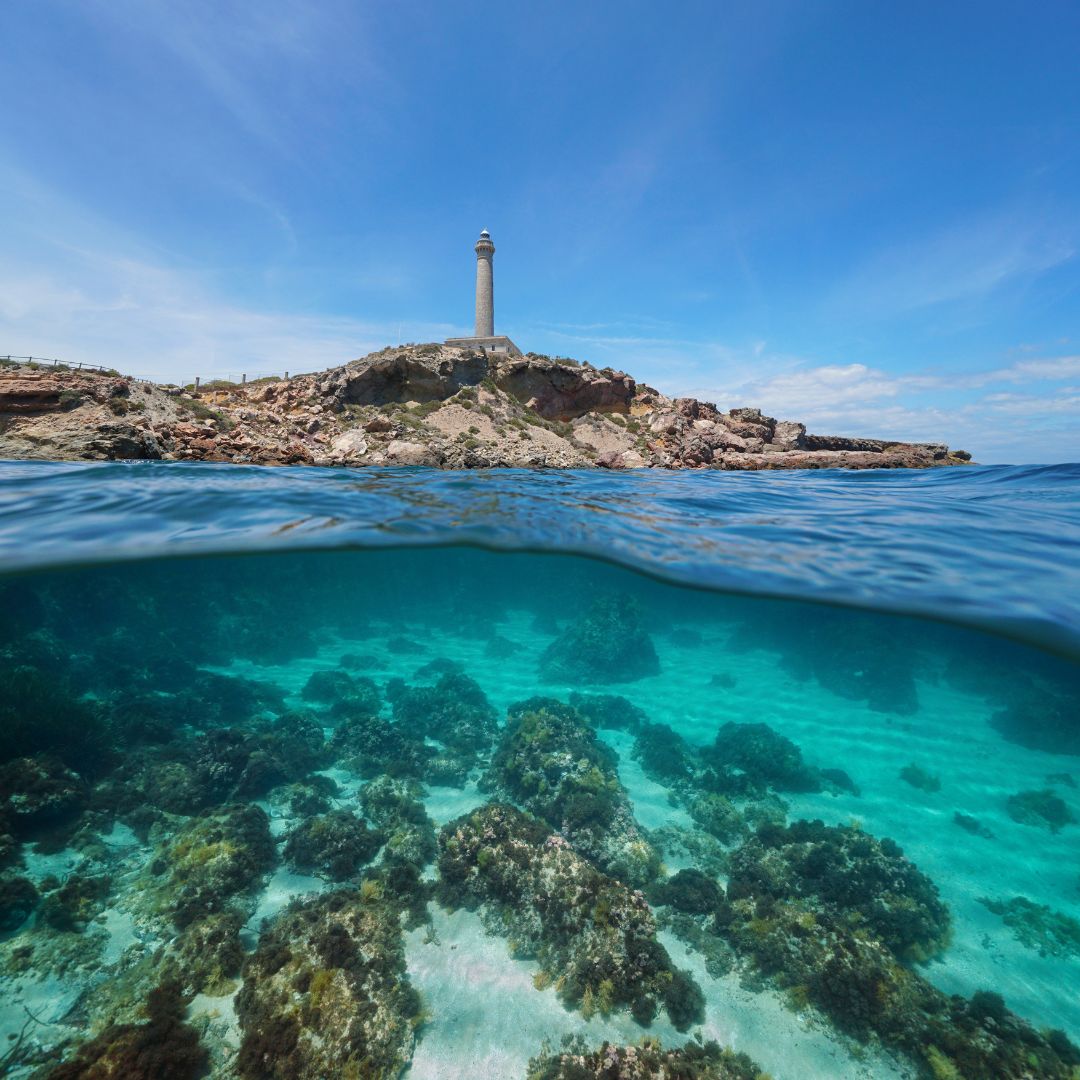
(419, 405)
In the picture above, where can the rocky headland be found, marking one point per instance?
(432, 405)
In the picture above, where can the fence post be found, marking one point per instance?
(196, 383)
(286, 376)
(243, 379)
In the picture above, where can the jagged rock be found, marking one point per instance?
(789, 435)
(561, 391)
(349, 445)
(432, 405)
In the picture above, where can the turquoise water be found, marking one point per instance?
(341, 793)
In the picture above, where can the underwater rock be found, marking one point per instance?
(919, 778)
(748, 758)
(857, 982)
(326, 993)
(550, 761)
(345, 694)
(454, 712)
(499, 648)
(609, 711)
(608, 644)
(333, 845)
(595, 939)
(373, 746)
(18, 898)
(851, 875)
(151, 781)
(206, 699)
(1042, 809)
(213, 859)
(692, 845)
(1042, 718)
(664, 754)
(1039, 927)
(404, 646)
(207, 955)
(836, 780)
(188, 775)
(972, 825)
(232, 763)
(719, 817)
(850, 653)
(647, 1060)
(164, 1048)
(40, 714)
(76, 902)
(38, 793)
(394, 806)
(690, 892)
(312, 795)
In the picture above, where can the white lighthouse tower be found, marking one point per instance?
(485, 339)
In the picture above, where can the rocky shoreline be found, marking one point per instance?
(433, 405)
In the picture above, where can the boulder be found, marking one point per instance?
(349, 445)
(789, 435)
(401, 452)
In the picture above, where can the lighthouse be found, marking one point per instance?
(485, 285)
(484, 338)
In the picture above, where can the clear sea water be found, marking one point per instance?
(918, 631)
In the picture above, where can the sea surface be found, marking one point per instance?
(249, 718)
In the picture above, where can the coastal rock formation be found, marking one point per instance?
(434, 405)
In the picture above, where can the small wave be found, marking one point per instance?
(997, 547)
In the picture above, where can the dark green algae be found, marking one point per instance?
(108, 718)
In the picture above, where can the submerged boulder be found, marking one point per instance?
(333, 845)
(550, 761)
(326, 992)
(609, 644)
(595, 939)
(645, 1061)
(851, 875)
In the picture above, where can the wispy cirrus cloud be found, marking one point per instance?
(965, 262)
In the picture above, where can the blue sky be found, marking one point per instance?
(864, 215)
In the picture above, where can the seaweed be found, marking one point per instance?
(608, 644)
(1038, 926)
(326, 992)
(591, 933)
(690, 892)
(164, 1048)
(847, 873)
(972, 825)
(749, 758)
(394, 806)
(214, 859)
(1042, 809)
(334, 845)
(919, 778)
(18, 898)
(550, 761)
(39, 793)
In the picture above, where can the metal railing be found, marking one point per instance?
(218, 381)
(43, 360)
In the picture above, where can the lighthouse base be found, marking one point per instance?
(499, 345)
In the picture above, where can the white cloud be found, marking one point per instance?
(160, 323)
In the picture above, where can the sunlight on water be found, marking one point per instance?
(264, 816)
